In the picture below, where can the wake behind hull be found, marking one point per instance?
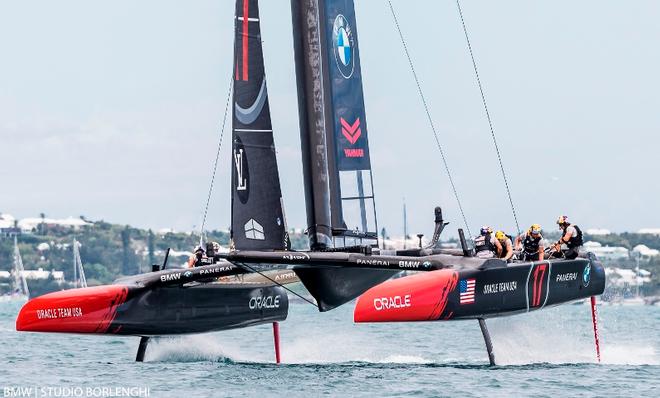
(481, 293)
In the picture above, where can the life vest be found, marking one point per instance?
(483, 243)
(531, 244)
(576, 240)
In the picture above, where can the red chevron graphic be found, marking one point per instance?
(351, 132)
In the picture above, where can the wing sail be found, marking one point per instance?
(257, 212)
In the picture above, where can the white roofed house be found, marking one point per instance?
(28, 225)
(6, 220)
(606, 252)
(645, 252)
(40, 273)
(649, 231)
(598, 232)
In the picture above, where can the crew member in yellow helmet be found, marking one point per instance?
(531, 244)
(503, 246)
(571, 236)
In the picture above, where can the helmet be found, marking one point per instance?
(562, 220)
(485, 230)
(200, 249)
(499, 235)
(535, 229)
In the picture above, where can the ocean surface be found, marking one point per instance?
(548, 353)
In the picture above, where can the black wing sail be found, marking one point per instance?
(336, 165)
(333, 131)
(258, 221)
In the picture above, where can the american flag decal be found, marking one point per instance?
(466, 289)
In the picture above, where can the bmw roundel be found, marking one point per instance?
(586, 275)
(344, 46)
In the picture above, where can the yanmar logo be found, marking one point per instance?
(352, 133)
(394, 302)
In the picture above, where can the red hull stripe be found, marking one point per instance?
(420, 297)
(85, 310)
(246, 14)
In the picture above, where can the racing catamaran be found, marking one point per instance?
(344, 261)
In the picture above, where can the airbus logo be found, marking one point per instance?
(296, 256)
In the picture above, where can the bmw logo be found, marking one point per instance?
(586, 275)
(344, 46)
(187, 274)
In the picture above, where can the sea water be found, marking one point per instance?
(548, 353)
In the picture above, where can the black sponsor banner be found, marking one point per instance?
(347, 98)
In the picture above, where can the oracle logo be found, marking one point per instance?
(393, 302)
(264, 302)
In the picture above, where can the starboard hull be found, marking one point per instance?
(449, 294)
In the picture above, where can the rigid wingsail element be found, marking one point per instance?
(257, 221)
(333, 125)
(333, 129)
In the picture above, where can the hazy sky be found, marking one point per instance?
(112, 109)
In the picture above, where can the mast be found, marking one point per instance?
(405, 225)
(19, 278)
(78, 266)
(339, 194)
(311, 112)
(75, 265)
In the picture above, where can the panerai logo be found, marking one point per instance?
(386, 303)
(570, 276)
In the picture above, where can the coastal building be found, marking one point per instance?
(28, 225)
(621, 277)
(40, 273)
(598, 232)
(606, 252)
(645, 252)
(650, 231)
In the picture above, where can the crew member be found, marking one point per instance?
(484, 244)
(196, 259)
(212, 249)
(571, 237)
(503, 246)
(531, 244)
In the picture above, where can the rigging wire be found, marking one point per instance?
(428, 115)
(279, 284)
(490, 122)
(215, 163)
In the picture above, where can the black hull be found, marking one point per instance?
(158, 303)
(198, 309)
